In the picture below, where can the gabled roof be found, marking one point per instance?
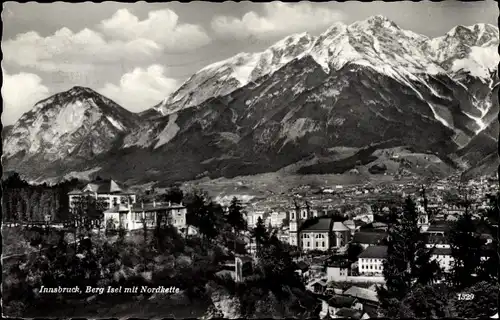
(370, 310)
(374, 252)
(322, 224)
(339, 301)
(435, 238)
(368, 237)
(107, 186)
(362, 293)
(349, 313)
(439, 227)
(339, 226)
(302, 265)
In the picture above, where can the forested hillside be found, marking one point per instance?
(24, 202)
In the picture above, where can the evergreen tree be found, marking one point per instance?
(196, 206)
(407, 264)
(466, 250)
(260, 234)
(234, 216)
(210, 221)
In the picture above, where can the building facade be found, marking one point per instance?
(137, 216)
(370, 261)
(122, 211)
(108, 192)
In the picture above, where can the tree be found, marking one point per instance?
(407, 264)
(425, 302)
(260, 234)
(234, 216)
(174, 194)
(466, 250)
(210, 221)
(481, 302)
(87, 213)
(353, 251)
(276, 263)
(196, 206)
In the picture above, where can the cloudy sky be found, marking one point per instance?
(136, 54)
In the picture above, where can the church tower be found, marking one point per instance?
(294, 226)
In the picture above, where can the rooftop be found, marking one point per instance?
(322, 224)
(341, 301)
(369, 237)
(155, 206)
(302, 265)
(339, 226)
(374, 252)
(349, 313)
(442, 252)
(362, 293)
(107, 186)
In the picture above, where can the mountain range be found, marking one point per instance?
(370, 88)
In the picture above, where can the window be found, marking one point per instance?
(323, 244)
(307, 244)
(150, 216)
(138, 216)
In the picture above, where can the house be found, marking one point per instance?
(253, 217)
(302, 269)
(317, 286)
(365, 296)
(439, 227)
(277, 217)
(135, 216)
(380, 226)
(370, 261)
(108, 192)
(348, 313)
(366, 239)
(337, 270)
(443, 257)
(338, 302)
(436, 240)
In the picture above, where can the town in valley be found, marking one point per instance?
(310, 160)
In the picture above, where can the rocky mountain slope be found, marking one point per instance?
(77, 125)
(370, 85)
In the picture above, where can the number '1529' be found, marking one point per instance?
(465, 296)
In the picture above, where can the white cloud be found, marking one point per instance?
(124, 38)
(278, 19)
(74, 52)
(161, 26)
(20, 92)
(141, 89)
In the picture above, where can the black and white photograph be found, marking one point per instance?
(250, 160)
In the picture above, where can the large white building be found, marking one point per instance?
(107, 191)
(370, 261)
(323, 234)
(122, 211)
